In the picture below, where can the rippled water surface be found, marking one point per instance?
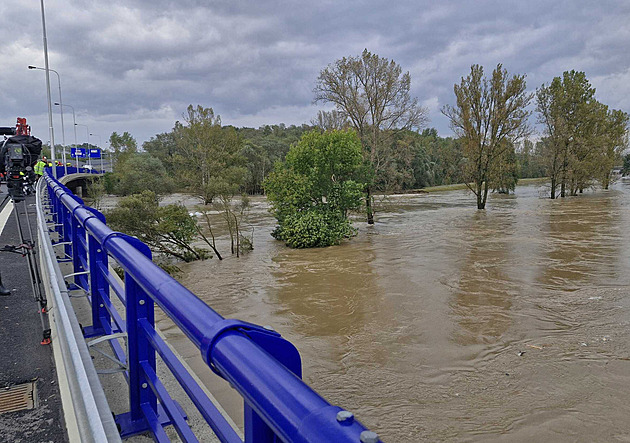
(444, 323)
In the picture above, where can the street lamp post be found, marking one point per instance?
(63, 128)
(51, 131)
(100, 141)
(111, 165)
(87, 132)
(74, 120)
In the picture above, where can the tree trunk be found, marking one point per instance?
(553, 187)
(368, 206)
(238, 237)
(563, 183)
(481, 203)
(485, 194)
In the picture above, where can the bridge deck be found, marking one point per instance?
(22, 357)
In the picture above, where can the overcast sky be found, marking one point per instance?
(135, 65)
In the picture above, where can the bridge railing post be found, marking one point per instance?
(79, 254)
(58, 218)
(139, 306)
(66, 229)
(99, 287)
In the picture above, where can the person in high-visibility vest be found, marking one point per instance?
(39, 167)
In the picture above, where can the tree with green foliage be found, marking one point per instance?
(564, 107)
(312, 191)
(372, 92)
(263, 147)
(208, 155)
(504, 174)
(95, 191)
(142, 172)
(612, 140)
(582, 137)
(258, 166)
(163, 147)
(531, 163)
(123, 146)
(168, 230)
(489, 116)
(625, 170)
(440, 160)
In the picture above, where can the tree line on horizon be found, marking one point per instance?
(581, 140)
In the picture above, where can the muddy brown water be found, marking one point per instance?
(444, 323)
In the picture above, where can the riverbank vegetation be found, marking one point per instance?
(583, 139)
(373, 141)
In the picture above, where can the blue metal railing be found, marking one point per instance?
(263, 367)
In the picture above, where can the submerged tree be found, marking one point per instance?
(625, 170)
(169, 229)
(614, 140)
(582, 137)
(490, 115)
(142, 172)
(372, 92)
(313, 190)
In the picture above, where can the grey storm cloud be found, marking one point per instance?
(135, 65)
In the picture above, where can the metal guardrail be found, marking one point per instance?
(94, 419)
(263, 367)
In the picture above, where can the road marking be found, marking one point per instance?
(4, 215)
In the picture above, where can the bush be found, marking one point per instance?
(110, 180)
(166, 229)
(313, 190)
(138, 173)
(314, 229)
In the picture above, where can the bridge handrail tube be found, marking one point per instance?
(287, 404)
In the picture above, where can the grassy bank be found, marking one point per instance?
(458, 186)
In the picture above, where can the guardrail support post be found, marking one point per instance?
(79, 253)
(256, 430)
(99, 287)
(139, 306)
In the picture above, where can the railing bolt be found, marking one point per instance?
(144, 386)
(102, 305)
(368, 437)
(141, 302)
(98, 250)
(345, 417)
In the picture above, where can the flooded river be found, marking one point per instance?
(444, 323)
